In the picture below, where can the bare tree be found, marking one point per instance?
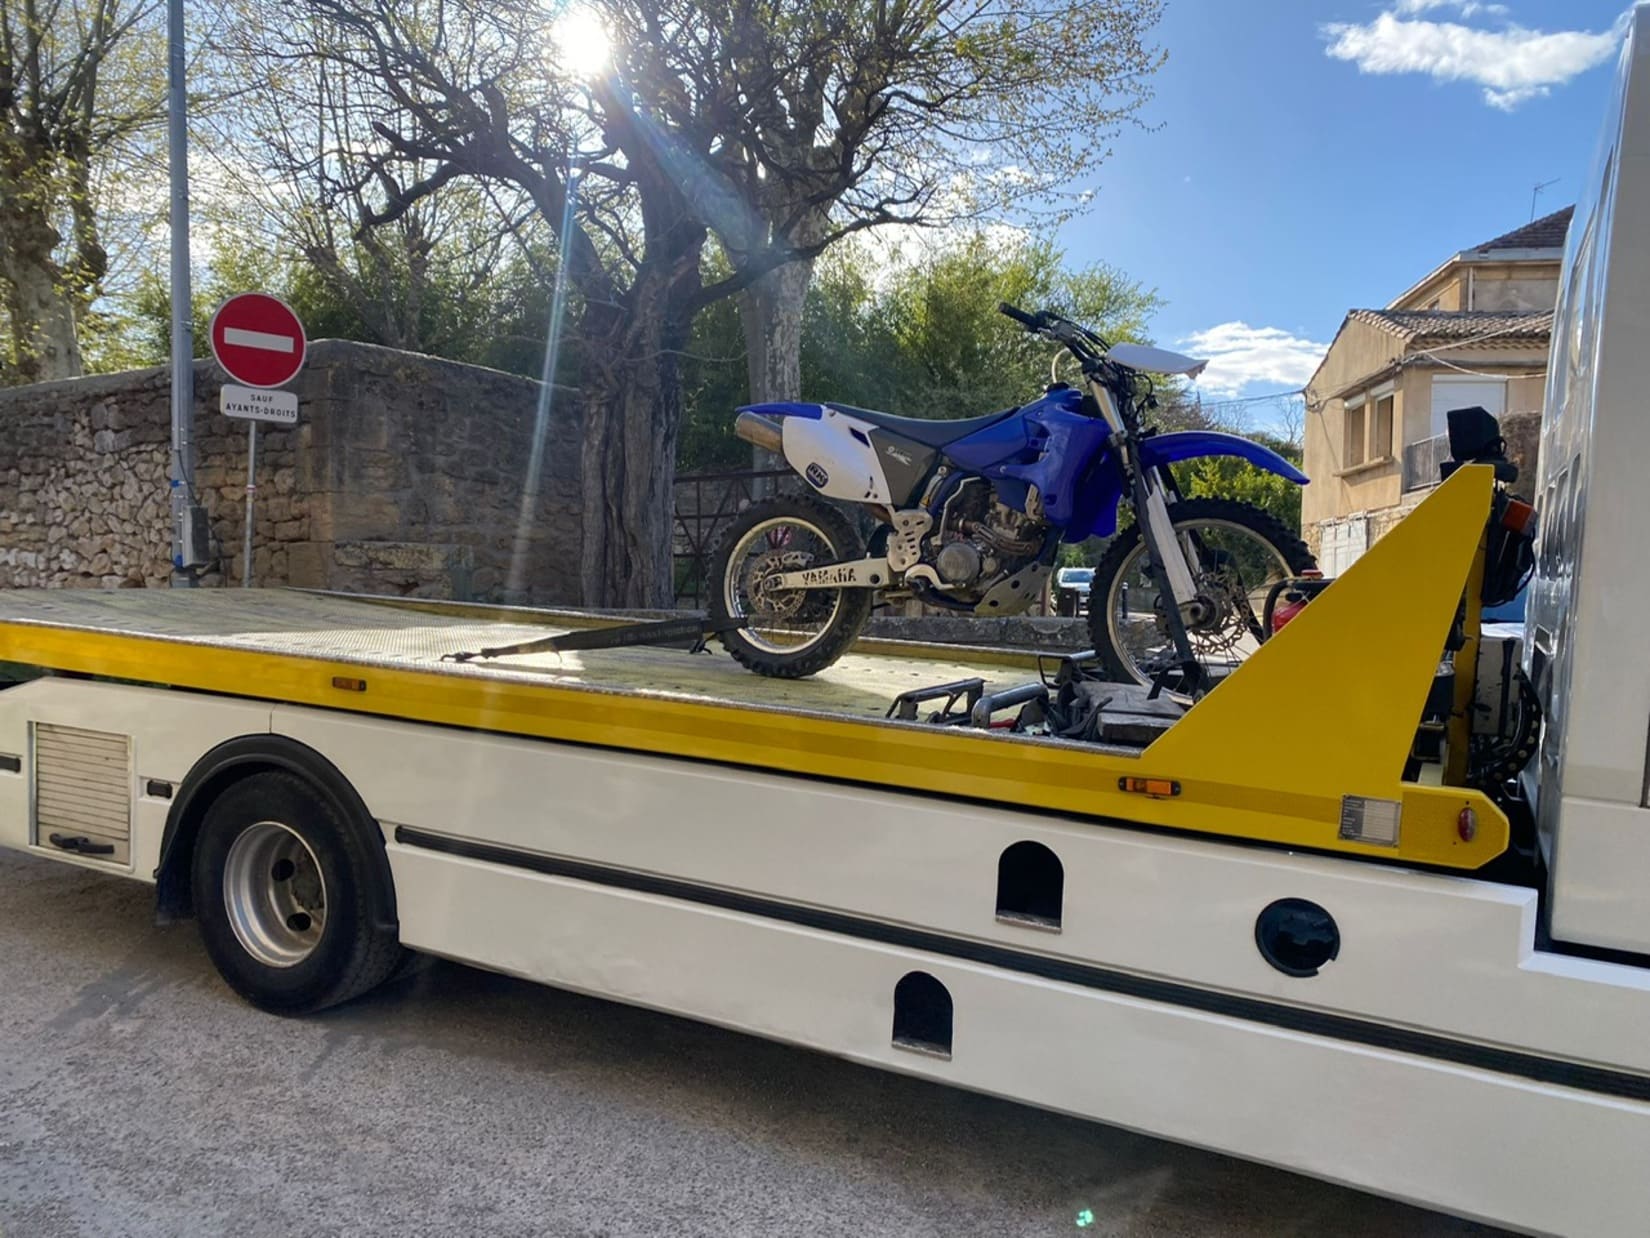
(289, 131)
(776, 126)
(829, 118)
(72, 92)
(1292, 421)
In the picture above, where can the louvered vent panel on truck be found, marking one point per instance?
(83, 789)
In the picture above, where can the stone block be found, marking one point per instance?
(308, 564)
(365, 515)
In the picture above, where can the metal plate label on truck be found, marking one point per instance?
(1373, 821)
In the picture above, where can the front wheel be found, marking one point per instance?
(1236, 553)
(789, 633)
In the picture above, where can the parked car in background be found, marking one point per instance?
(1071, 590)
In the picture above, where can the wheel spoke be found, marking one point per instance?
(1232, 566)
(781, 620)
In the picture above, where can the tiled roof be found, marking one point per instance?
(1545, 233)
(1492, 326)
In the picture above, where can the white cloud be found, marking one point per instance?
(1240, 356)
(1466, 8)
(1512, 64)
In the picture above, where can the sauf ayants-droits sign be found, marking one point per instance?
(260, 343)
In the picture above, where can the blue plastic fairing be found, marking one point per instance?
(1189, 444)
(789, 409)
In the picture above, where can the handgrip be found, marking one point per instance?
(80, 844)
(1030, 322)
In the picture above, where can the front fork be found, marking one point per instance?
(1165, 557)
(1164, 544)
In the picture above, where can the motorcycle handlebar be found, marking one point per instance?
(1031, 322)
(1085, 345)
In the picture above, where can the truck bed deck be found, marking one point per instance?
(377, 632)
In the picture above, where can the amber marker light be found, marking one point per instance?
(1157, 788)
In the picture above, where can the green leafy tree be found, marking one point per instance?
(961, 357)
(497, 321)
(79, 89)
(919, 336)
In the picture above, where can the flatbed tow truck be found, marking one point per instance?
(1261, 928)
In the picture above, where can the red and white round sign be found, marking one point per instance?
(258, 340)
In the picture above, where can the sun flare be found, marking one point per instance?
(580, 42)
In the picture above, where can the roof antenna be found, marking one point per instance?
(1536, 193)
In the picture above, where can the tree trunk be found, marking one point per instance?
(630, 411)
(770, 311)
(40, 311)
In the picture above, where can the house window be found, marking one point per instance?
(1451, 391)
(1354, 452)
(1380, 430)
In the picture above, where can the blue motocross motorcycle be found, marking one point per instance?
(969, 515)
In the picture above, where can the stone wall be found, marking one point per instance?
(83, 497)
(1523, 434)
(405, 475)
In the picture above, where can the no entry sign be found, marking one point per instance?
(258, 340)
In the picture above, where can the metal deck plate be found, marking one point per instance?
(376, 633)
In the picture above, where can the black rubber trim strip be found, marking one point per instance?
(1249, 1009)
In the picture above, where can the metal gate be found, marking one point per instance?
(704, 504)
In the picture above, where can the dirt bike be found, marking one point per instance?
(968, 516)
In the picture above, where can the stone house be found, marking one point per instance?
(1475, 330)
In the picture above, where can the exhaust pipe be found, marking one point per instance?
(760, 432)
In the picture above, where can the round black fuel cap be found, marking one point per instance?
(1297, 936)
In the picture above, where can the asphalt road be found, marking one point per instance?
(138, 1096)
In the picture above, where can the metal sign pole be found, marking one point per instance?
(251, 493)
(188, 523)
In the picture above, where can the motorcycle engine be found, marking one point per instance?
(980, 537)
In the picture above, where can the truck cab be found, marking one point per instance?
(1589, 602)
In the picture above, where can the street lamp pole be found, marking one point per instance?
(189, 530)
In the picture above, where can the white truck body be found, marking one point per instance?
(1591, 595)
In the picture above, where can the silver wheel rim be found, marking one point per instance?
(1124, 632)
(275, 894)
(774, 637)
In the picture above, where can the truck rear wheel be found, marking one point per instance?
(295, 912)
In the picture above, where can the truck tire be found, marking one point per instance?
(778, 641)
(295, 910)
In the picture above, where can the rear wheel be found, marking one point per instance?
(294, 907)
(789, 633)
(1239, 552)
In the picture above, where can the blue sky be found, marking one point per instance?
(1309, 156)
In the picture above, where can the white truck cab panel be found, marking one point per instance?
(1589, 605)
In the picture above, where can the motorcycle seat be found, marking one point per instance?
(930, 432)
